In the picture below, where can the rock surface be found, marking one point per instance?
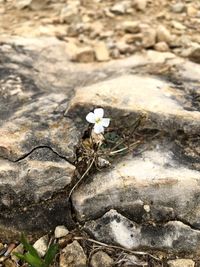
(181, 262)
(113, 228)
(101, 259)
(73, 256)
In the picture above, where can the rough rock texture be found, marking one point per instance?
(37, 146)
(158, 183)
(164, 104)
(181, 262)
(118, 230)
(73, 256)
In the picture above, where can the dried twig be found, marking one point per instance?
(115, 247)
(85, 173)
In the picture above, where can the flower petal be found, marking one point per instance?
(90, 117)
(105, 122)
(98, 128)
(98, 112)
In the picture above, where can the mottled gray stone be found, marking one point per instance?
(101, 259)
(37, 146)
(129, 95)
(153, 185)
(73, 256)
(113, 228)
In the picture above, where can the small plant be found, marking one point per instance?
(32, 257)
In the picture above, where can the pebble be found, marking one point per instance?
(101, 52)
(101, 259)
(61, 231)
(178, 8)
(20, 4)
(41, 245)
(73, 256)
(148, 37)
(18, 249)
(181, 263)
(118, 9)
(131, 26)
(177, 25)
(84, 55)
(69, 13)
(163, 34)
(161, 47)
(191, 11)
(9, 263)
(195, 55)
(140, 4)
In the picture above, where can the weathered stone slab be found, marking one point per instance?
(29, 192)
(173, 236)
(128, 95)
(38, 123)
(152, 186)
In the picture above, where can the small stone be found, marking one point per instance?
(149, 37)
(20, 4)
(61, 231)
(9, 263)
(178, 8)
(18, 249)
(177, 25)
(84, 55)
(69, 13)
(191, 11)
(181, 263)
(101, 52)
(125, 48)
(131, 26)
(195, 55)
(118, 9)
(101, 259)
(163, 34)
(41, 245)
(140, 4)
(73, 256)
(161, 47)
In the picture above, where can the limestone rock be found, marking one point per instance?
(61, 231)
(161, 47)
(124, 94)
(140, 4)
(73, 256)
(119, 8)
(20, 4)
(195, 55)
(36, 143)
(41, 245)
(178, 7)
(163, 34)
(181, 263)
(9, 263)
(101, 51)
(101, 259)
(131, 189)
(84, 55)
(192, 11)
(148, 36)
(131, 26)
(177, 25)
(113, 228)
(69, 13)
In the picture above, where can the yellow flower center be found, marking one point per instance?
(97, 120)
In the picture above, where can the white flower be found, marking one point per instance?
(97, 119)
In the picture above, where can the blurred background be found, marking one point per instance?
(101, 30)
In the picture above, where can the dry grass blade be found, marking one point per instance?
(116, 247)
(82, 177)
